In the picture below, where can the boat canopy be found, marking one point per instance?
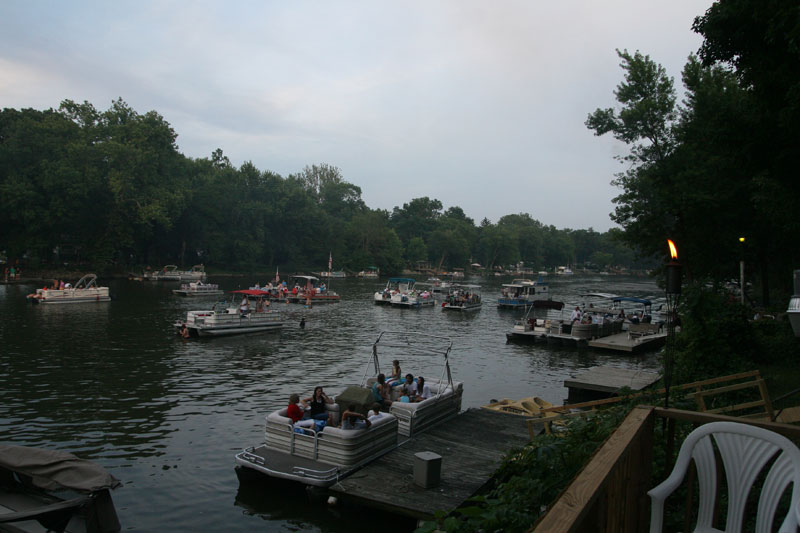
(601, 295)
(402, 280)
(618, 299)
(251, 292)
(56, 470)
(307, 278)
(401, 345)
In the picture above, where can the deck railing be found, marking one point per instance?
(610, 493)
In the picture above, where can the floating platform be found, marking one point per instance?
(618, 342)
(622, 342)
(471, 445)
(604, 381)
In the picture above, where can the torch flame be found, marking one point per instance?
(673, 251)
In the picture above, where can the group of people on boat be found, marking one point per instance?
(58, 285)
(592, 316)
(312, 413)
(411, 389)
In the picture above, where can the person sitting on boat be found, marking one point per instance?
(424, 391)
(244, 307)
(396, 379)
(381, 392)
(410, 387)
(260, 306)
(575, 315)
(375, 414)
(622, 314)
(296, 411)
(351, 419)
(318, 401)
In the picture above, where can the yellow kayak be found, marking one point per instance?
(525, 407)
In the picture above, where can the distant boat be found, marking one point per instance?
(521, 293)
(171, 273)
(463, 298)
(310, 289)
(85, 290)
(335, 274)
(198, 288)
(370, 272)
(563, 271)
(230, 319)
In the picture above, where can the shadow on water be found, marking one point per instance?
(294, 506)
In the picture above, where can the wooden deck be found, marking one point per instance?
(471, 445)
(620, 342)
(603, 381)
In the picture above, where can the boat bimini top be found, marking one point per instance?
(400, 345)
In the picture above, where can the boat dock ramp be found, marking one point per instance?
(471, 446)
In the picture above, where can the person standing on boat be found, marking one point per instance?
(244, 307)
(575, 315)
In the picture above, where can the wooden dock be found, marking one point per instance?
(621, 342)
(604, 381)
(471, 444)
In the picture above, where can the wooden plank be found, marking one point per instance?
(789, 431)
(570, 510)
(472, 446)
(611, 379)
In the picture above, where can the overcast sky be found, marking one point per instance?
(480, 104)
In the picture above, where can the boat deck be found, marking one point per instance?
(471, 444)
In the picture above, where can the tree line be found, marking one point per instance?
(721, 165)
(109, 189)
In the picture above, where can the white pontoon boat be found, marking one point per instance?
(85, 290)
(228, 318)
(320, 458)
(198, 288)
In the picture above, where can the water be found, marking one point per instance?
(112, 382)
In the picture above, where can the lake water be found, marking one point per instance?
(112, 382)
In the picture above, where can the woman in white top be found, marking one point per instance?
(423, 390)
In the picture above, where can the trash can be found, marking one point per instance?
(427, 469)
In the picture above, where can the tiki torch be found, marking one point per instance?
(673, 293)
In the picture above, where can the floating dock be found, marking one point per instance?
(622, 342)
(618, 342)
(604, 381)
(471, 445)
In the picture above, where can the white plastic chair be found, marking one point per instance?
(745, 450)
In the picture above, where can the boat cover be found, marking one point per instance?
(548, 304)
(252, 292)
(54, 470)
